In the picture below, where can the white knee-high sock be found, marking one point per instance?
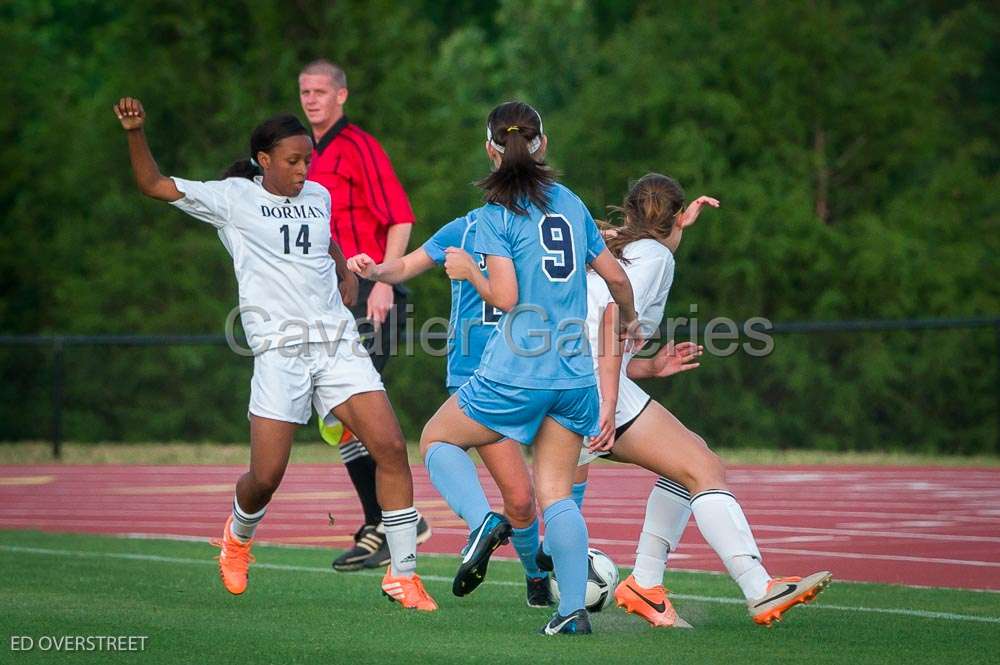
(401, 536)
(244, 524)
(724, 526)
(668, 510)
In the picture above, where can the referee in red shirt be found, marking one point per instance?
(370, 213)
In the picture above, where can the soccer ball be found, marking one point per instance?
(602, 578)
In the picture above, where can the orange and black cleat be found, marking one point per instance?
(234, 560)
(784, 593)
(651, 603)
(408, 592)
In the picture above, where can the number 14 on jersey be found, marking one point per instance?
(301, 240)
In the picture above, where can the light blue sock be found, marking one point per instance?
(525, 541)
(566, 535)
(577, 495)
(454, 475)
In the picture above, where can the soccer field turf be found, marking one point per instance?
(298, 610)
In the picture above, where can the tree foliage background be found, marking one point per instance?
(854, 146)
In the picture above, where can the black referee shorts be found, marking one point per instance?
(386, 339)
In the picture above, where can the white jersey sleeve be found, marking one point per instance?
(205, 201)
(651, 271)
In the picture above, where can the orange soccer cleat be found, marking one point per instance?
(234, 560)
(650, 603)
(784, 593)
(408, 592)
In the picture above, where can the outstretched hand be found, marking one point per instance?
(673, 359)
(130, 113)
(690, 214)
(363, 265)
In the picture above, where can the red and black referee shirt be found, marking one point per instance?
(365, 193)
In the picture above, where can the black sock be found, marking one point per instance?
(362, 472)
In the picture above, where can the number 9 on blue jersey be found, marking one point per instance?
(556, 236)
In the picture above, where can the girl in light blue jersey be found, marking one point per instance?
(536, 383)
(470, 324)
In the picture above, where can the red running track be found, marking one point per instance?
(921, 526)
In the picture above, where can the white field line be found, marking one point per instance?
(675, 556)
(946, 616)
(99, 520)
(23, 523)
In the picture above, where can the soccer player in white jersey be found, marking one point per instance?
(276, 226)
(649, 436)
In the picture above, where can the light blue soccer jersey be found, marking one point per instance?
(542, 343)
(472, 320)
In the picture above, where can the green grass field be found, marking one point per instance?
(297, 610)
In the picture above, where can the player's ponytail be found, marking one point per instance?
(649, 210)
(264, 137)
(243, 168)
(514, 130)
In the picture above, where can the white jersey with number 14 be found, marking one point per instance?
(280, 249)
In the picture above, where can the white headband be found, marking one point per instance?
(533, 147)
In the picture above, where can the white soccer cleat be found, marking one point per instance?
(784, 593)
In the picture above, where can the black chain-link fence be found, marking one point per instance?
(914, 385)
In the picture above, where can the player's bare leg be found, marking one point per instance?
(506, 464)
(270, 446)
(450, 425)
(370, 416)
(658, 441)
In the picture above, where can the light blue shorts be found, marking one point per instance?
(517, 413)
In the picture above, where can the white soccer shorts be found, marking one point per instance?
(631, 401)
(288, 382)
